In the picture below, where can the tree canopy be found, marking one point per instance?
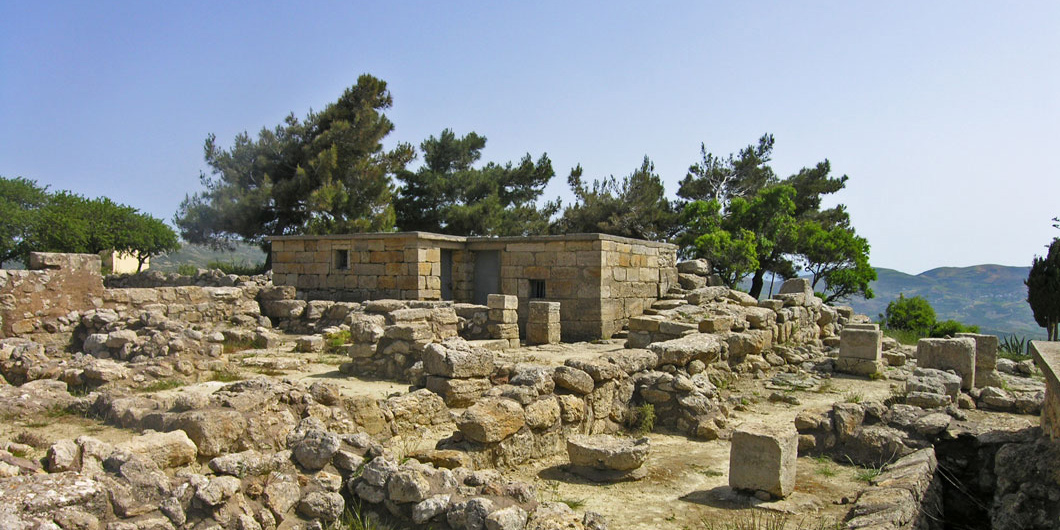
(910, 314)
(327, 173)
(635, 206)
(450, 196)
(1043, 290)
(20, 198)
(35, 220)
(747, 222)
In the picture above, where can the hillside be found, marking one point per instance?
(990, 296)
(199, 256)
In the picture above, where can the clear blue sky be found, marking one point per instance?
(945, 115)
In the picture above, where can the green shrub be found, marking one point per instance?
(912, 314)
(241, 268)
(334, 342)
(951, 328)
(1013, 346)
(187, 269)
(644, 418)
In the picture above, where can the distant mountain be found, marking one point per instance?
(992, 297)
(199, 256)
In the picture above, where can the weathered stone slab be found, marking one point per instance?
(678, 352)
(491, 420)
(458, 392)
(1047, 356)
(456, 358)
(605, 458)
(949, 354)
(762, 458)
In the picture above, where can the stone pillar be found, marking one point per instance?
(1047, 356)
(543, 325)
(762, 458)
(860, 350)
(985, 359)
(504, 318)
(949, 354)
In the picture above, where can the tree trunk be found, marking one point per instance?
(757, 282)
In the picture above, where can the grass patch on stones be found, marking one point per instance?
(161, 384)
(226, 375)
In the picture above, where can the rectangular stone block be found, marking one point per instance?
(547, 312)
(502, 301)
(949, 354)
(864, 344)
(646, 323)
(542, 333)
(763, 457)
(719, 324)
(458, 392)
(504, 331)
(863, 325)
(504, 316)
(985, 357)
(855, 366)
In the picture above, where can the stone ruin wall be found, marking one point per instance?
(601, 281)
(62, 298)
(405, 266)
(39, 302)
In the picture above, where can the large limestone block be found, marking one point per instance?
(543, 333)
(762, 458)
(491, 420)
(602, 451)
(699, 267)
(604, 458)
(860, 344)
(1047, 357)
(679, 352)
(949, 354)
(169, 449)
(542, 311)
(458, 392)
(797, 286)
(985, 359)
(502, 301)
(213, 431)
(456, 358)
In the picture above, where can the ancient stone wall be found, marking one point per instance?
(599, 280)
(360, 267)
(191, 304)
(37, 303)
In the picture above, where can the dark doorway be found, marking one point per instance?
(487, 275)
(447, 274)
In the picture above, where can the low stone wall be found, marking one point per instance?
(748, 325)
(1047, 356)
(202, 278)
(906, 495)
(41, 303)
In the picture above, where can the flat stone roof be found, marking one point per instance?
(1047, 356)
(431, 236)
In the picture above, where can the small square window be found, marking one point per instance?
(342, 259)
(537, 288)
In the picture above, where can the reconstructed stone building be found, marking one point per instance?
(600, 280)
